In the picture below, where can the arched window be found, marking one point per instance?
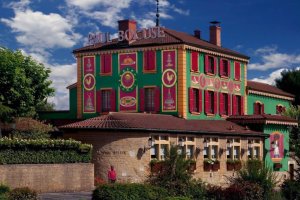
(280, 109)
(259, 108)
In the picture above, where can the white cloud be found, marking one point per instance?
(272, 59)
(271, 78)
(90, 4)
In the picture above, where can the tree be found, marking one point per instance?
(290, 82)
(24, 83)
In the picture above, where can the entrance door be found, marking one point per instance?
(291, 171)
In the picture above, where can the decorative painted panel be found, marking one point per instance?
(277, 146)
(128, 82)
(169, 80)
(89, 81)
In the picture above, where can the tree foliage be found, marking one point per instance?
(290, 82)
(24, 83)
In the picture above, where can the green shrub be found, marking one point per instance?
(128, 192)
(243, 190)
(176, 198)
(20, 151)
(214, 192)
(4, 189)
(22, 194)
(291, 189)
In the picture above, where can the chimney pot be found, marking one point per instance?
(197, 33)
(215, 33)
(128, 27)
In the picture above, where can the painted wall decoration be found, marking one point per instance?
(203, 81)
(89, 82)
(276, 146)
(128, 82)
(169, 80)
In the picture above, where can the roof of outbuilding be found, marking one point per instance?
(263, 87)
(263, 119)
(171, 37)
(159, 122)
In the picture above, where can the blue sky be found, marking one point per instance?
(266, 30)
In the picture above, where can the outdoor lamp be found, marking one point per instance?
(151, 143)
(229, 143)
(181, 142)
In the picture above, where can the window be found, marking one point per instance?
(106, 100)
(161, 145)
(224, 104)
(149, 61)
(254, 149)
(258, 108)
(233, 150)
(189, 146)
(194, 61)
(195, 100)
(210, 64)
(238, 105)
(211, 100)
(224, 68)
(106, 61)
(211, 148)
(237, 71)
(280, 109)
(150, 99)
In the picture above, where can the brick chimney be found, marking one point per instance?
(215, 33)
(128, 28)
(197, 33)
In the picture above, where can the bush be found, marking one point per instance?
(291, 189)
(20, 151)
(177, 198)
(128, 192)
(22, 194)
(4, 189)
(244, 190)
(214, 192)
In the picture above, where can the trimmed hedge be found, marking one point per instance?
(132, 191)
(43, 151)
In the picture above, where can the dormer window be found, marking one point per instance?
(259, 108)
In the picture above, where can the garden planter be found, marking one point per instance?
(230, 166)
(237, 166)
(207, 167)
(156, 167)
(216, 166)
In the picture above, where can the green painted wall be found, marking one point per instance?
(269, 103)
(268, 129)
(201, 69)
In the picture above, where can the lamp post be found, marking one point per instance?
(151, 143)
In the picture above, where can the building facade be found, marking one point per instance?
(197, 83)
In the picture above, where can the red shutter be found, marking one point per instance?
(102, 58)
(229, 105)
(194, 61)
(234, 105)
(108, 63)
(200, 101)
(206, 99)
(112, 100)
(242, 105)
(221, 105)
(142, 100)
(206, 63)
(98, 101)
(151, 60)
(215, 103)
(157, 100)
(221, 72)
(215, 65)
(228, 67)
(237, 73)
(255, 108)
(277, 110)
(191, 100)
(146, 63)
(262, 108)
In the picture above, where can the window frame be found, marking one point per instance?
(146, 55)
(103, 63)
(210, 144)
(158, 142)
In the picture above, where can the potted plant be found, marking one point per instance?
(216, 165)
(156, 165)
(192, 166)
(207, 164)
(237, 165)
(230, 164)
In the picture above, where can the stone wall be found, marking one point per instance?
(49, 177)
(125, 151)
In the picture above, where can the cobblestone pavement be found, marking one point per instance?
(66, 196)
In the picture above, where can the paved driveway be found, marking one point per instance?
(66, 196)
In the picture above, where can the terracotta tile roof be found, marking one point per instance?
(263, 119)
(263, 87)
(74, 85)
(172, 37)
(158, 122)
